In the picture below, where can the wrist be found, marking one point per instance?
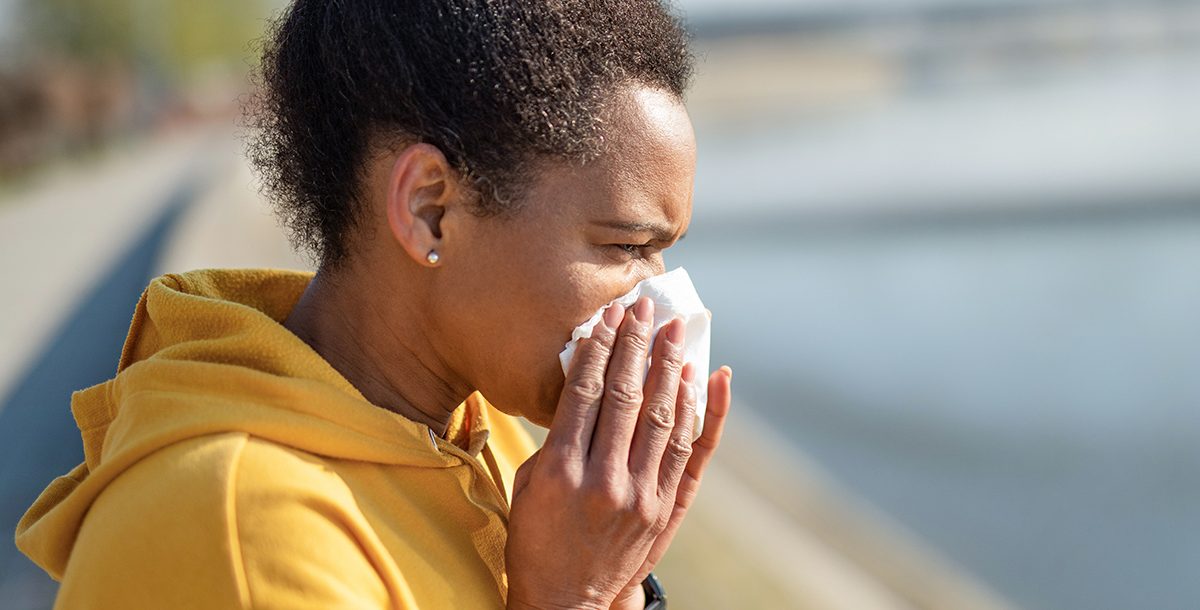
(545, 600)
(513, 604)
(631, 598)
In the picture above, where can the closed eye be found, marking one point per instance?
(634, 250)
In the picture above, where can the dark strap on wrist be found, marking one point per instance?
(656, 597)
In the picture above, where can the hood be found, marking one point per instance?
(206, 354)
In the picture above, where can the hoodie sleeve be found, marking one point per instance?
(227, 521)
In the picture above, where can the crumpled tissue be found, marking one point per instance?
(674, 296)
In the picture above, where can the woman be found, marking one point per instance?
(473, 179)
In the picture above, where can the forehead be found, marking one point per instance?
(649, 117)
(649, 139)
(647, 169)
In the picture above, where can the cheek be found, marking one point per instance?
(553, 303)
(511, 321)
(513, 314)
(525, 375)
(562, 306)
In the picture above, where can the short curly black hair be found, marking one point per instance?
(497, 85)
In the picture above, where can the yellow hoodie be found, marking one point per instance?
(227, 465)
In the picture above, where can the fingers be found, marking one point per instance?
(657, 416)
(679, 449)
(575, 418)
(623, 388)
(719, 397)
(689, 484)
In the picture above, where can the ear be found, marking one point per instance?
(420, 186)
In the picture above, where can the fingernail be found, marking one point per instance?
(675, 331)
(644, 309)
(728, 372)
(613, 315)
(689, 372)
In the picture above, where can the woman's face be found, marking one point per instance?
(511, 290)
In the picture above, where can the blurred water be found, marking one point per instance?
(1001, 355)
(1025, 397)
(1118, 133)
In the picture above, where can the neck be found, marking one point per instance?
(380, 348)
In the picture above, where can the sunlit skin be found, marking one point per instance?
(500, 304)
(492, 314)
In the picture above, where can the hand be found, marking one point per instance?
(719, 396)
(590, 506)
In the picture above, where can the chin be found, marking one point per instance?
(540, 420)
(541, 412)
(537, 406)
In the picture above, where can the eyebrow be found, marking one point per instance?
(660, 232)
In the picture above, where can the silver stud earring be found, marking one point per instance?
(433, 257)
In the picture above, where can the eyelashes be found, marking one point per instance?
(630, 250)
(625, 253)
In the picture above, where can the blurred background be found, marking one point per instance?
(952, 248)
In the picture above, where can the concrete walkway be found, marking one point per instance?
(73, 222)
(77, 252)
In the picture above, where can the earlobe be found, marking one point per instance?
(418, 190)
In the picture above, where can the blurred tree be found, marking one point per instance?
(84, 30)
(175, 37)
(77, 72)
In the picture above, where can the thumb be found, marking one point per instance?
(521, 479)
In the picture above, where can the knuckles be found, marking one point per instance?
(585, 389)
(561, 475)
(671, 364)
(597, 347)
(604, 495)
(625, 392)
(660, 416)
(647, 511)
(607, 499)
(602, 336)
(680, 447)
(670, 352)
(634, 340)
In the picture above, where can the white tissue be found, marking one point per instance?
(674, 296)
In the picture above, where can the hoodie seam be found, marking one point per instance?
(237, 557)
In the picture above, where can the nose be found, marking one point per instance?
(650, 271)
(658, 268)
(633, 281)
